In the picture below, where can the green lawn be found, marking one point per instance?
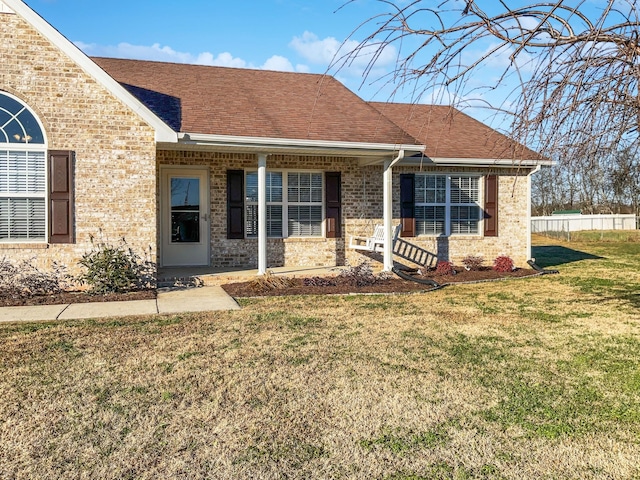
(534, 378)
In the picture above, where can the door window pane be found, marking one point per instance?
(185, 210)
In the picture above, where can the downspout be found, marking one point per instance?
(529, 247)
(387, 202)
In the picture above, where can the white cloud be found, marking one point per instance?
(352, 56)
(278, 63)
(165, 53)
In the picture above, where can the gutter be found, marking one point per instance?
(474, 162)
(270, 143)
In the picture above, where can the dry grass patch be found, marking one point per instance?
(528, 379)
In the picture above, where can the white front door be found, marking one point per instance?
(185, 217)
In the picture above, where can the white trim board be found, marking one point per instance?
(4, 8)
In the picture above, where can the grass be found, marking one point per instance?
(536, 378)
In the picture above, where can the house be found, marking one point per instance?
(209, 166)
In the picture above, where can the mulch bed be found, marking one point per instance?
(343, 285)
(75, 297)
(296, 286)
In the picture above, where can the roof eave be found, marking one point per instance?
(477, 162)
(270, 145)
(163, 132)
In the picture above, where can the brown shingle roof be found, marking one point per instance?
(449, 133)
(253, 103)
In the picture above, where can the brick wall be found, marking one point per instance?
(361, 207)
(115, 180)
(116, 188)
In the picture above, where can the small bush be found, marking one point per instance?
(445, 268)
(269, 281)
(473, 262)
(115, 269)
(25, 280)
(320, 282)
(362, 274)
(503, 264)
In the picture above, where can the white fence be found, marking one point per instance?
(576, 223)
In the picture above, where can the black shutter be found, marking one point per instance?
(235, 204)
(491, 206)
(407, 205)
(333, 198)
(61, 209)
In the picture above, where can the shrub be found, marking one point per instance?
(115, 269)
(445, 268)
(473, 262)
(503, 264)
(269, 281)
(25, 280)
(320, 282)
(362, 274)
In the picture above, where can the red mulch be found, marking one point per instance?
(256, 288)
(75, 297)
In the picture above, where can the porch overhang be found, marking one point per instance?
(423, 160)
(366, 153)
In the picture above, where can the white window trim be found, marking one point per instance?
(285, 201)
(448, 205)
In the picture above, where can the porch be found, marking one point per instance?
(198, 276)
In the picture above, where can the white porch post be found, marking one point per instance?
(387, 205)
(387, 202)
(529, 248)
(262, 214)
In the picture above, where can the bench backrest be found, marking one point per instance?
(378, 232)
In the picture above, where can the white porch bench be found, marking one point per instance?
(374, 243)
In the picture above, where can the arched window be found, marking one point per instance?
(23, 173)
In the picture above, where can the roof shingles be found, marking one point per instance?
(449, 133)
(254, 103)
(199, 99)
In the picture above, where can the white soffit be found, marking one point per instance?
(164, 133)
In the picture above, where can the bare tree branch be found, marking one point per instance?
(577, 68)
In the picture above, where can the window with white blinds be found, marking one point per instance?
(294, 204)
(447, 204)
(23, 173)
(22, 195)
(304, 217)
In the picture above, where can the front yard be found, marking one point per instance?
(530, 378)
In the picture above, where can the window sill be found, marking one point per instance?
(455, 235)
(305, 240)
(295, 239)
(23, 246)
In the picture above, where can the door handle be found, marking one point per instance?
(205, 217)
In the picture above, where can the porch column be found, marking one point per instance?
(529, 248)
(387, 202)
(262, 214)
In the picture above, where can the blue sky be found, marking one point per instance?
(291, 35)
(288, 35)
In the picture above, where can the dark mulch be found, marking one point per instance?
(75, 297)
(341, 285)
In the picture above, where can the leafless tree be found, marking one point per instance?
(575, 64)
(625, 178)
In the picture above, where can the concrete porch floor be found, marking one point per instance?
(220, 276)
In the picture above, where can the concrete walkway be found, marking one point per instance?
(204, 299)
